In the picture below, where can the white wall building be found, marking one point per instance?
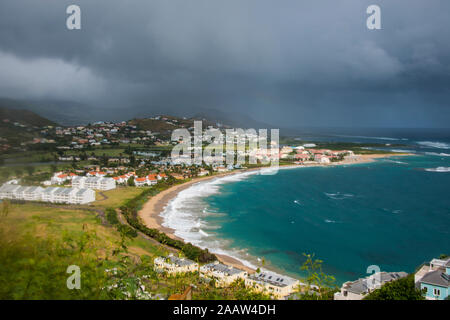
(223, 275)
(173, 265)
(98, 183)
(321, 158)
(51, 194)
(7, 191)
(272, 283)
(47, 194)
(33, 193)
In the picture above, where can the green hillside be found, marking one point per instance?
(20, 125)
(24, 117)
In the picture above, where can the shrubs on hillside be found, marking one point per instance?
(402, 289)
(111, 216)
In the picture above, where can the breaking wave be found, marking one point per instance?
(432, 144)
(186, 212)
(442, 154)
(403, 151)
(395, 161)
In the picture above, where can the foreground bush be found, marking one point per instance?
(402, 289)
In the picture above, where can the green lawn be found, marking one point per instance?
(39, 243)
(117, 197)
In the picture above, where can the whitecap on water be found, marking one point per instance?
(403, 151)
(434, 144)
(339, 196)
(442, 154)
(395, 161)
(438, 169)
(332, 221)
(395, 211)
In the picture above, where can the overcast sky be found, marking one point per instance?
(288, 63)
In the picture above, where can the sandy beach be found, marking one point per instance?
(150, 212)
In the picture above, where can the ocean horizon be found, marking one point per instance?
(393, 213)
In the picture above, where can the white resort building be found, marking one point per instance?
(223, 275)
(51, 194)
(173, 265)
(98, 183)
(279, 286)
(358, 289)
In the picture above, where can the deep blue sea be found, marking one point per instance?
(394, 213)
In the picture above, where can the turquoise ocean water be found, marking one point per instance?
(394, 213)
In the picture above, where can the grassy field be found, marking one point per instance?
(38, 243)
(47, 222)
(110, 152)
(116, 197)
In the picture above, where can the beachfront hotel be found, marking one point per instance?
(51, 194)
(358, 289)
(173, 265)
(279, 286)
(222, 274)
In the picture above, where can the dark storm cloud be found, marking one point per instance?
(285, 62)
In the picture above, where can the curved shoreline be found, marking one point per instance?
(151, 212)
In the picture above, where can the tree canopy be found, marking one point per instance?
(401, 289)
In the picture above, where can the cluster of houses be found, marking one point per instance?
(60, 178)
(278, 286)
(98, 179)
(123, 178)
(84, 137)
(433, 279)
(50, 194)
(149, 180)
(303, 155)
(103, 133)
(93, 180)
